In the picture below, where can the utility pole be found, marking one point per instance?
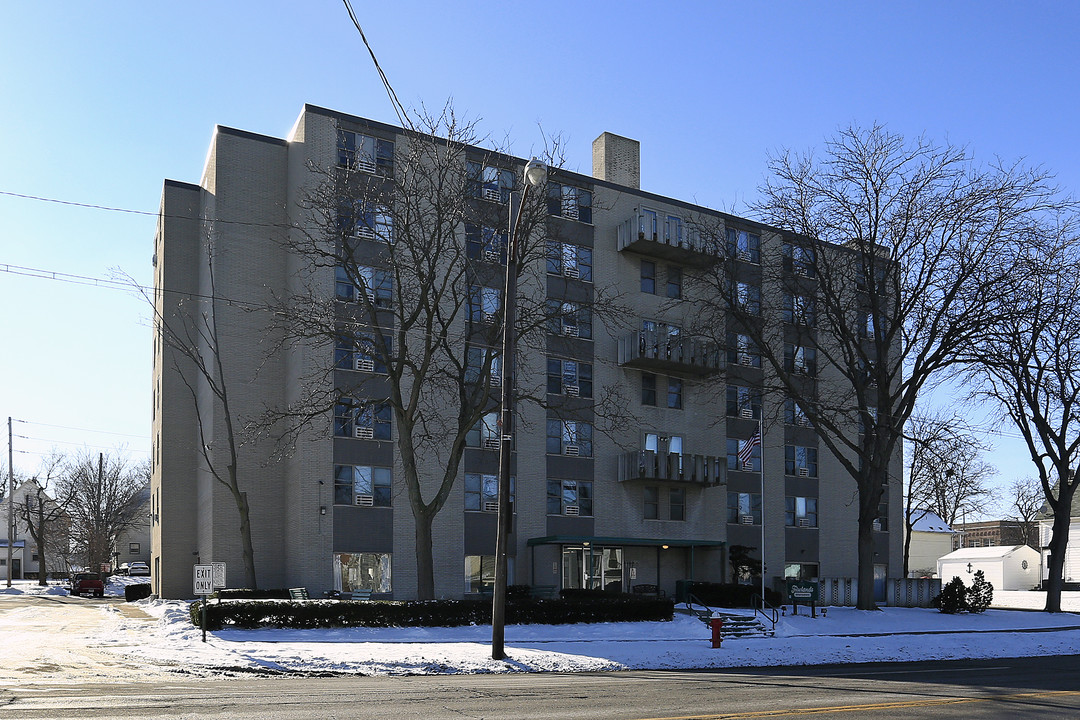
(11, 501)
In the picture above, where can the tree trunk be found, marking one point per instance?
(866, 563)
(1059, 540)
(425, 563)
(248, 549)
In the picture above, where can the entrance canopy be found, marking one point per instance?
(606, 540)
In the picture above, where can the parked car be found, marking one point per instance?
(138, 568)
(88, 584)
(123, 569)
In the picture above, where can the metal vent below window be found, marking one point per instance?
(571, 450)
(492, 443)
(804, 522)
(747, 413)
(491, 506)
(746, 519)
(804, 472)
(365, 500)
(365, 364)
(365, 433)
(570, 330)
(571, 272)
(572, 510)
(572, 390)
(493, 194)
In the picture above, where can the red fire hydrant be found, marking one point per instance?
(716, 623)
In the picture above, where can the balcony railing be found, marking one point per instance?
(688, 247)
(650, 350)
(671, 467)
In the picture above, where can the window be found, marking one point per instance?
(569, 377)
(485, 243)
(363, 152)
(882, 522)
(569, 497)
(742, 350)
(867, 325)
(735, 448)
(569, 202)
(568, 318)
(794, 414)
(801, 257)
(744, 245)
(134, 548)
(674, 282)
(748, 297)
(800, 511)
(569, 260)
(799, 460)
(867, 420)
(800, 360)
(358, 352)
(373, 417)
(355, 284)
(569, 437)
(482, 363)
(648, 389)
(743, 402)
(484, 304)
(799, 310)
(488, 182)
(485, 433)
(674, 393)
(365, 220)
(362, 571)
(651, 497)
(744, 508)
(673, 231)
(677, 503)
(480, 573)
(867, 269)
(648, 277)
(801, 571)
(649, 222)
(482, 492)
(362, 485)
(660, 340)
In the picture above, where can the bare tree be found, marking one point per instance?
(1029, 363)
(188, 327)
(415, 237)
(889, 252)
(1024, 503)
(46, 520)
(101, 495)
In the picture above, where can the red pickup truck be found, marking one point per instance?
(87, 583)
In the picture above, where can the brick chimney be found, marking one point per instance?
(617, 159)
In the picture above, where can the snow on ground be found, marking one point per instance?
(845, 635)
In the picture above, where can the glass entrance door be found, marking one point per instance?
(595, 568)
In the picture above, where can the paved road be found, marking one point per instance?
(1024, 688)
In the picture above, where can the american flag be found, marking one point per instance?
(746, 452)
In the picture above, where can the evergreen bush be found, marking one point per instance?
(980, 594)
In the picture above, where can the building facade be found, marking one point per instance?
(659, 496)
(989, 533)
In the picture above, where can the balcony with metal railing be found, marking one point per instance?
(667, 240)
(660, 352)
(671, 467)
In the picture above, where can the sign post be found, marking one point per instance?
(805, 592)
(203, 585)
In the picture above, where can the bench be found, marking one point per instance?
(298, 594)
(648, 590)
(356, 595)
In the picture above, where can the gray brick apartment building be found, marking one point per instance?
(654, 499)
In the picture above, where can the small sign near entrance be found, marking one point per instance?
(219, 574)
(204, 579)
(803, 592)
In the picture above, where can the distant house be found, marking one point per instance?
(25, 557)
(931, 537)
(133, 543)
(1007, 567)
(995, 532)
(1071, 570)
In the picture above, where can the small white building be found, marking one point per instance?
(1006, 567)
(931, 538)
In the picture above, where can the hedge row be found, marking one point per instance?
(730, 595)
(429, 613)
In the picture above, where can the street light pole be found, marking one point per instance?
(535, 173)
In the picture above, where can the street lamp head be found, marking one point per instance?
(535, 172)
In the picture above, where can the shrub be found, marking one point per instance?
(249, 594)
(731, 595)
(136, 592)
(953, 597)
(430, 613)
(980, 594)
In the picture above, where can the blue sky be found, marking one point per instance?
(99, 104)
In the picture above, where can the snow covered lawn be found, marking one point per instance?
(844, 636)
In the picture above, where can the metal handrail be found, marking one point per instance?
(759, 607)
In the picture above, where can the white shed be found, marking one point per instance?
(1015, 567)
